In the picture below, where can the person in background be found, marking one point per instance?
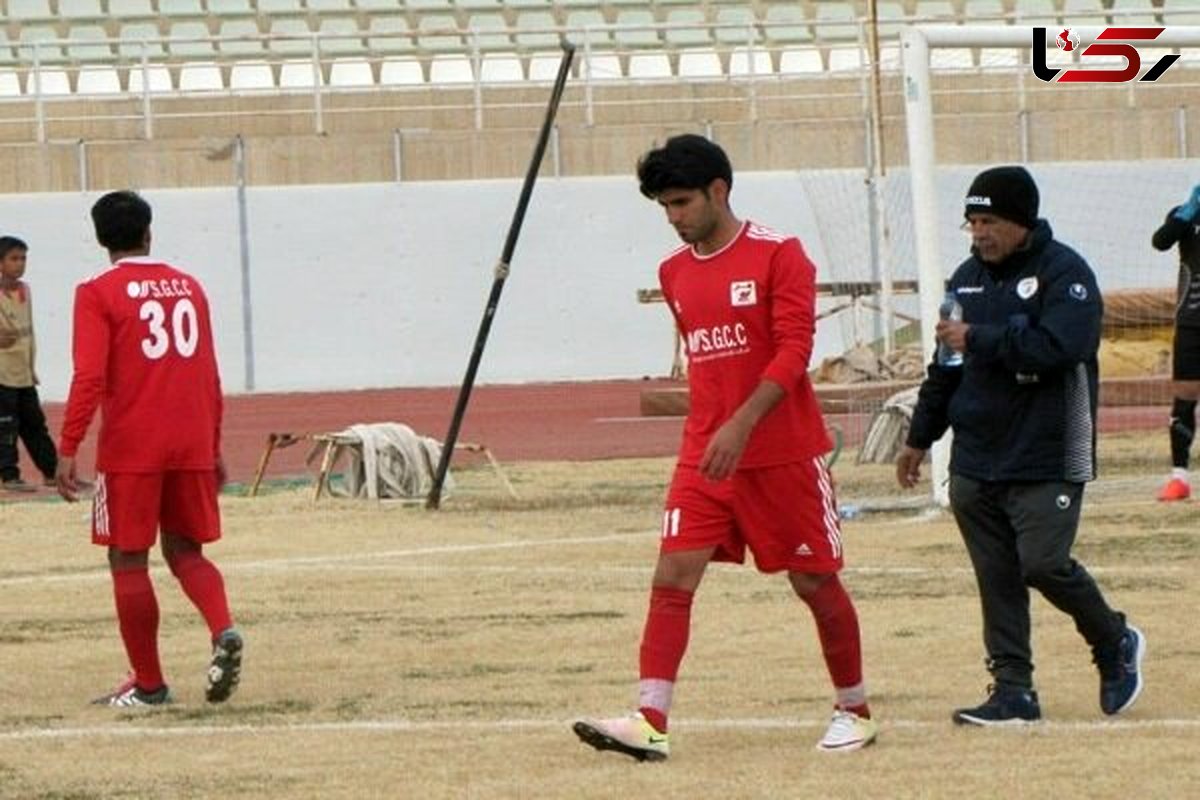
(21, 416)
(1182, 227)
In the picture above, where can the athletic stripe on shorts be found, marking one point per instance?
(833, 531)
(100, 508)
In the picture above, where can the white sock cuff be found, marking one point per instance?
(851, 696)
(656, 693)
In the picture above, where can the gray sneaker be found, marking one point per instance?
(17, 485)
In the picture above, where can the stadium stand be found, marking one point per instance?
(641, 35)
(1181, 12)
(1133, 12)
(375, 67)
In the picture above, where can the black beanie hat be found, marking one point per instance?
(1007, 192)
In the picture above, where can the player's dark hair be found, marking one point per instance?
(121, 219)
(686, 161)
(8, 243)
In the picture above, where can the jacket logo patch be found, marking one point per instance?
(1027, 287)
(1078, 291)
(743, 293)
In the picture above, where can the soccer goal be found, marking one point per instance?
(1109, 158)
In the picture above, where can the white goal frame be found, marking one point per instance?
(915, 43)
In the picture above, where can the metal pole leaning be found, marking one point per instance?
(433, 501)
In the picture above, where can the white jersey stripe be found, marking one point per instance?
(100, 508)
(832, 529)
(761, 232)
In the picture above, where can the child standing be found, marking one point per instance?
(20, 409)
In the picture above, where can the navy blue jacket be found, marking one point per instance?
(1023, 403)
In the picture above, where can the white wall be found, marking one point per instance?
(384, 285)
(374, 285)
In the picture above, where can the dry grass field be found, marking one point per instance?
(398, 653)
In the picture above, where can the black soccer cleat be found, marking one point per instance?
(225, 669)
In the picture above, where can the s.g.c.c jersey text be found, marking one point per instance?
(143, 350)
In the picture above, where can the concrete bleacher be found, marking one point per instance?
(242, 45)
(334, 90)
(637, 39)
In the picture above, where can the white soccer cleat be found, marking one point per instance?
(631, 735)
(848, 731)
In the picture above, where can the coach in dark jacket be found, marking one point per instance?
(1022, 406)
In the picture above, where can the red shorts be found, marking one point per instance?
(786, 514)
(129, 508)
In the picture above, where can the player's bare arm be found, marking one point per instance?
(908, 466)
(727, 444)
(65, 480)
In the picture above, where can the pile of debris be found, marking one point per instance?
(862, 365)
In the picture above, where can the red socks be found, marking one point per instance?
(137, 616)
(201, 581)
(664, 641)
(837, 628)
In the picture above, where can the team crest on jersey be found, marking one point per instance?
(1078, 291)
(743, 293)
(1027, 287)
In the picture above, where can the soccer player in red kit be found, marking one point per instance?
(143, 353)
(750, 471)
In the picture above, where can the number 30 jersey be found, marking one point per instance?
(143, 352)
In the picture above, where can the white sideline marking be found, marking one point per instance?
(500, 725)
(439, 549)
(743, 569)
(346, 563)
(301, 561)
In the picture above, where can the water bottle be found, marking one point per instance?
(949, 309)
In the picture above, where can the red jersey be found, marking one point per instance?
(143, 350)
(747, 313)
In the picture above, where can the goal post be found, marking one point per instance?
(916, 44)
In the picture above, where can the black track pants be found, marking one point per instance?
(1019, 535)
